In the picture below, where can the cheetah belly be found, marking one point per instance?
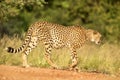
(57, 43)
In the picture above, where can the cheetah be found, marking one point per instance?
(55, 36)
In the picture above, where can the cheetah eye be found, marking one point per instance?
(95, 32)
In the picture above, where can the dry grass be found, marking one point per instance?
(104, 58)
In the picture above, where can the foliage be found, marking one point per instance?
(12, 15)
(102, 15)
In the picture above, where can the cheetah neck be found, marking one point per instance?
(87, 34)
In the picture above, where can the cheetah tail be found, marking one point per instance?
(12, 50)
(21, 48)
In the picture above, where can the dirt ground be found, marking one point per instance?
(19, 73)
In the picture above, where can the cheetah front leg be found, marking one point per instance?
(48, 49)
(74, 59)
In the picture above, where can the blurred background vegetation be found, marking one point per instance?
(101, 15)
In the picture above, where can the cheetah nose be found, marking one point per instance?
(98, 42)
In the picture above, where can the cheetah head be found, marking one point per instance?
(94, 36)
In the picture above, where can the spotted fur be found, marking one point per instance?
(56, 36)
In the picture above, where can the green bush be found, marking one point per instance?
(102, 15)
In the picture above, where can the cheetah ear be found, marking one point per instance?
(89, 31)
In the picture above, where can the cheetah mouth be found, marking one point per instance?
(98, 42)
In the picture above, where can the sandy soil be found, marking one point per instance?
(19, 73)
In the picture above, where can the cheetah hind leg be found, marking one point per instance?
(31, 45)
(50, 62)
(24, 57)
(48, 49)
